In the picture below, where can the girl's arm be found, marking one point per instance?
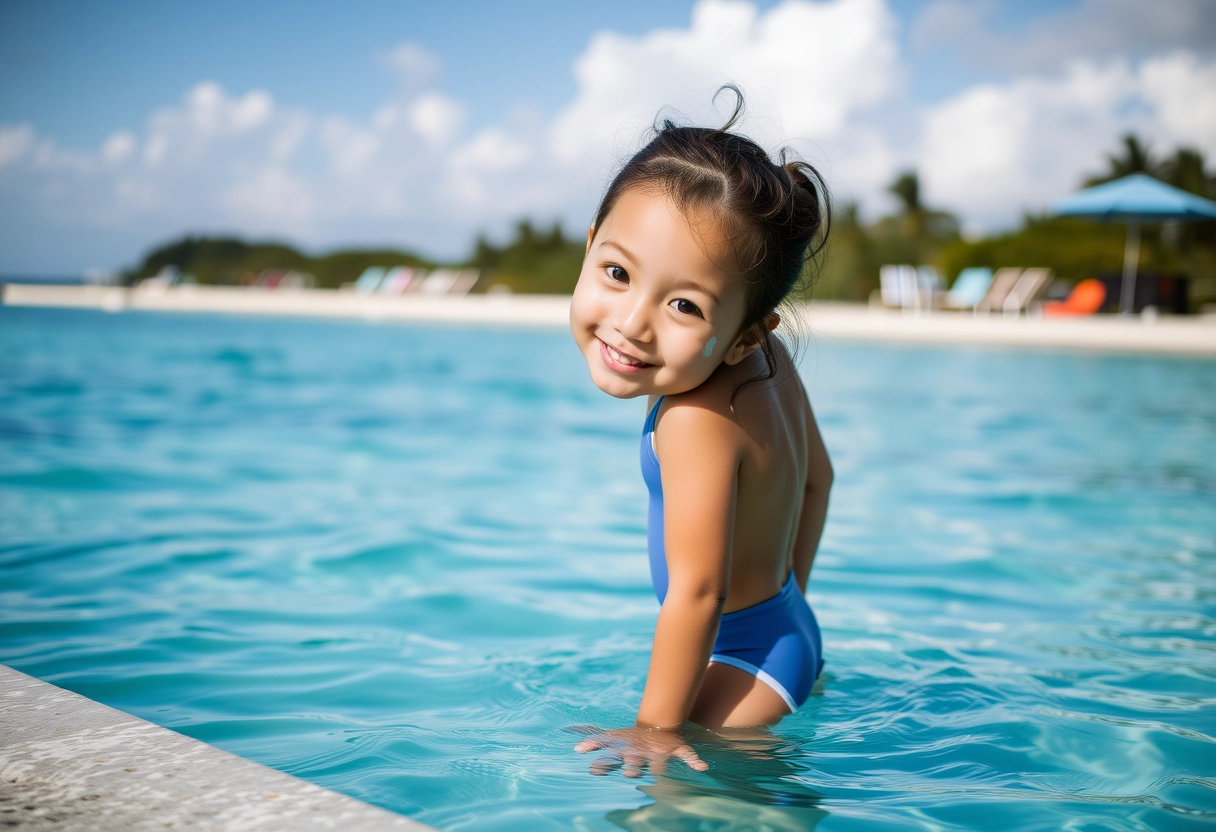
(814, 502)
(700, 461)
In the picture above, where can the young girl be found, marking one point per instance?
(698, 240)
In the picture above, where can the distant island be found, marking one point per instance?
(534, 261)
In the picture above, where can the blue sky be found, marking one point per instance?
(101, 156)
(81, 70)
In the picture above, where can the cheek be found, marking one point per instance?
(584, 306)
(686, 348)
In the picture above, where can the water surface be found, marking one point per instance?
(401, 561)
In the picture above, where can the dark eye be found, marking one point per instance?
(687, 307)
(616, 273)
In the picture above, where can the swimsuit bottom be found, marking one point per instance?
(777, 641)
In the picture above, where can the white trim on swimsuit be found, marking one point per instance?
(759, 674)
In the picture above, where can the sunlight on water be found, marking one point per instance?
(401, 562)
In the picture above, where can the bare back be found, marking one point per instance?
(777, 448)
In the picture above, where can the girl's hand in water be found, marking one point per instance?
(634, 749)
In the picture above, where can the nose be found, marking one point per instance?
(636, 323)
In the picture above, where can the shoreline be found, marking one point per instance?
(830, 321)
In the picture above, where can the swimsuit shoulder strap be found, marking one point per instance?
(652, 417)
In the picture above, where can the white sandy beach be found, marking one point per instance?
(825, 321)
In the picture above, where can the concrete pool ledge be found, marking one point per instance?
(826, 321)
(69, 763)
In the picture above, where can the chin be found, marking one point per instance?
(617, 393)
(614, 385)
(608, 381)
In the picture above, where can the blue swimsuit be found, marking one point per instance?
(776, 641)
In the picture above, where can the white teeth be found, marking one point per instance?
(624, 359)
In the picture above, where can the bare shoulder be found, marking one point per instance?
(699, 409)
(701, 418)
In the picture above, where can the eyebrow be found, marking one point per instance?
(689, 284)
(683, 284)
(620, 248)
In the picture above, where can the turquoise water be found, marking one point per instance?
(401, 561)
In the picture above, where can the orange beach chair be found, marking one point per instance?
(1086, 298)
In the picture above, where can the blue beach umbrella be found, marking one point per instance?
(1135, 199)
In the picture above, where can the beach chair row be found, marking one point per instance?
(403, 280)
(1009, 291)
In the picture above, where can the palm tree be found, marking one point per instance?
(916, 221)
(1186, 170)
(1136, 157)
(907, 187)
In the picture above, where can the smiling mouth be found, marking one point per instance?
(619, 360)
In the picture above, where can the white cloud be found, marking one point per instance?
(271, 192)
(808, 69)
(413, 63)
(436, 118)
(207, 119)
(15, 143)
(289, 135)
(118, 147)
(222, 161)
(491, 150)
(998, 149)
(48, 156)
(1094, 29)
(210, 110)
(476, 168)
(350, 147)
(1182, 91)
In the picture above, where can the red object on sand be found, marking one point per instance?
(1085, 299)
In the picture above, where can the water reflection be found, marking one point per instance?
(754, 781)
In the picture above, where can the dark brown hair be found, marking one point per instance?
(776, 215)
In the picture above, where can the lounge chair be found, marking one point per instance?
(465, 281)
(930, 287)
(1086, 298)
(898, 284)
(888, 282)
(1030, 285)
(969, 288)
(1002, 283)
(269, 278)
(369, 280)
(296, 280)
(417, 281)
(396, 281)
(439, 282)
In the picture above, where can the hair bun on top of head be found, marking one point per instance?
(776, 214)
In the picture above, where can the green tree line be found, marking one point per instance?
(1073, 248)
(534, 260)
(229, 261)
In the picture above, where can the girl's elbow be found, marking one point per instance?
(820, 480)
(705, 596)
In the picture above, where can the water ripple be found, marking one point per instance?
(402, 562)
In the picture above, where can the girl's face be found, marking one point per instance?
(655, 312)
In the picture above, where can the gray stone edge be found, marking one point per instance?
(67, 763)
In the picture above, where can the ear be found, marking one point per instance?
(751, 338)
(590, 237)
